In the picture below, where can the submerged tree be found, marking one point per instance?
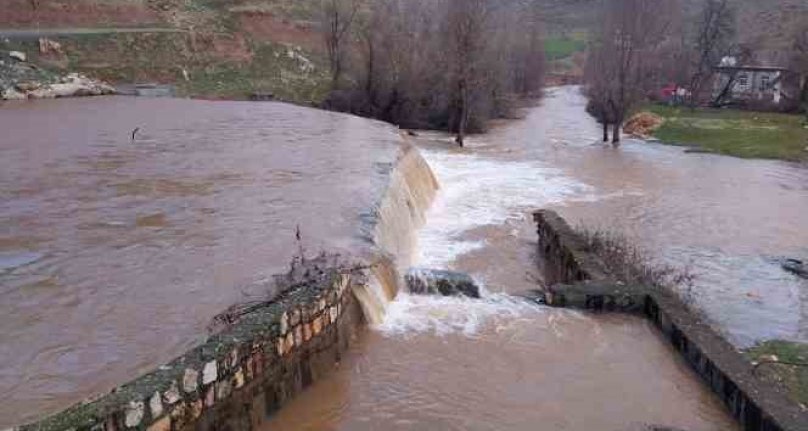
(446, 64)
(466, 21)
(620, 70)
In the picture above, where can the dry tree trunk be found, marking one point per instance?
(616, 133)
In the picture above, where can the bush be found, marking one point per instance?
(630, 265)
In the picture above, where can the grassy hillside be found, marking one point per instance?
(225, 48)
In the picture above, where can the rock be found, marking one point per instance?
(262, 97)
(12, 94)
(209, 373)
(156, 405)
(19, 56)
(146, 90)
(42, 93)
(134, 414)
(446, 283)
(697, 150)
(28, 86)
(535, 296)
(47, 46)
(795, 266)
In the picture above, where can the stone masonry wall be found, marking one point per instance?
(239, 376)
(580, 279)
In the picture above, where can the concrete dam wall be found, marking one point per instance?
(580, 279)
(269, 352)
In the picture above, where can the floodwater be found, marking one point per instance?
(510, 366)
(728, 220)
(115, 255)
(499, 363)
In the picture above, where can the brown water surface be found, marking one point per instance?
(517, 367)
(499, 363)
(118, 253)
(114, 254)
(727, 219)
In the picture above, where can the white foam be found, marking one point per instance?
(417, 314)
(476, 191)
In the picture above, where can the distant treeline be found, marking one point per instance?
(442, 64)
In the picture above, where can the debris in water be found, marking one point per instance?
(796, 266)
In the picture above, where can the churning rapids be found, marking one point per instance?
(114, 255)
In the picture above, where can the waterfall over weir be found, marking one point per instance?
(399, 213)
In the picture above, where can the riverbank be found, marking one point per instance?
(21, 80)
(745, 134)
(785, 363)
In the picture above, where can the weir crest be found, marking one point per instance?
(399, 214)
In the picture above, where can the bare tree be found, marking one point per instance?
(713, 42)
(466, 21)
(799, 63)
(443, 64)
(338, 17)
(621, 73)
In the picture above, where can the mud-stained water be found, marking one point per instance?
(729, 220)
(499, 363)
(114, 254)
(522, 368)
(208, 198)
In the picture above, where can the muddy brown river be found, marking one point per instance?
(116, 254)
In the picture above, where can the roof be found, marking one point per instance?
(757, 68)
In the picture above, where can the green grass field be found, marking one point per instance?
(285, 72)
(743, 134)
(557, 48)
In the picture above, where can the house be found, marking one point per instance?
(756, 85)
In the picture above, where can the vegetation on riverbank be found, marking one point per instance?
(773, 356)
(630, 265)
(737, 133)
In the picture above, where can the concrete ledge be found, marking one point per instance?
(597, 297)
(580, 280)
(240, 375)
(564, 252)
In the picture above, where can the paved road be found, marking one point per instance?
(30, 33)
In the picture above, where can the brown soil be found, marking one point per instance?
(75, 13)
(262, 26)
